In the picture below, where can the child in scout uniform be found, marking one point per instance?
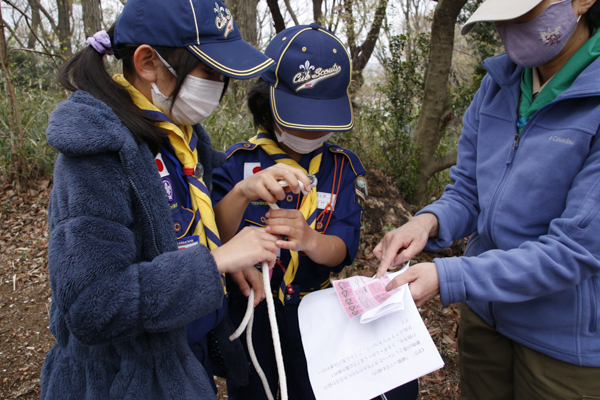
(134, 251)
(296, 106)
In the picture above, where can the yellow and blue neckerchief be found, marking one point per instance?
(309, 204)
(183, 139)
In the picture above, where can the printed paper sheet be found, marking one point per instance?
(353, 361)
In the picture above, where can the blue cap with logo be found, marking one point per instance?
(205, 27)
(309, 86)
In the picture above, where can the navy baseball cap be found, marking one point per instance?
(205, 27)
(311, 80)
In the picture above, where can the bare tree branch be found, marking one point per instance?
(366, 49)
(42, 9)
(291, 11)
(276, 14)
(39, 52)
(441, 163)
(46, 51)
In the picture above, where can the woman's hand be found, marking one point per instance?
(291, 223)
(402, 244)
(249, 247)
(423, 282)
(250, 277)
(265, 184)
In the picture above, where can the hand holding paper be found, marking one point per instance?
(368, 297)
(423, 279)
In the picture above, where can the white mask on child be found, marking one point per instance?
(197, 99)
(298, 144)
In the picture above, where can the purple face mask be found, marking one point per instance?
(538, 41)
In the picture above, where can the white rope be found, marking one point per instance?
(248, 320)
(254, 359)
(275, 333)
(247, 317)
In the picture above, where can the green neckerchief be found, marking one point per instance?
(563, 80)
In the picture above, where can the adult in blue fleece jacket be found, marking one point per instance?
(123, 288)
(527, 190)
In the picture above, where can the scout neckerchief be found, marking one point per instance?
(563, 80)
(184, 141)
(309, 204)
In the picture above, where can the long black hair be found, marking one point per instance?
(593, 16)
(86, 71)
(259, 105)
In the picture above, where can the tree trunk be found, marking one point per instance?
(92, 16)
(318, 12)
(14, 118)
(361, 54)
(428, 134)
(276, 14)
(64, 26)
(245, 15)
(35, 23)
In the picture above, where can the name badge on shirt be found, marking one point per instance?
(188, 241)
(323, 199)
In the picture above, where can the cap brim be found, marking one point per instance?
(499, 10)
(236, 59)
(305, 114)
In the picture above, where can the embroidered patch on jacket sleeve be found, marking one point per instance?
(360, 190)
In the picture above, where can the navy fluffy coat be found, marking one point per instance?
(122, 293)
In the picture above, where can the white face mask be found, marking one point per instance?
(298, 144)
(197, 99)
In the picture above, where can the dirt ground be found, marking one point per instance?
(25, 294)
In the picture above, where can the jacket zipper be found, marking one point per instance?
(593, 306)
(146, 211)
(511, 157)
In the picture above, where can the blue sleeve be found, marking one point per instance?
(224, 179)
(104, 293)
(346, 220)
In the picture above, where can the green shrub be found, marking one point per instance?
(35, 107)
(229, 124)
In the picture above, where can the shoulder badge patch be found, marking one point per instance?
(360, 190)
(360, 187)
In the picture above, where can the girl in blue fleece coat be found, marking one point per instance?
(134, 253)
(527, 190)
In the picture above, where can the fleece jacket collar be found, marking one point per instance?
(507, 74)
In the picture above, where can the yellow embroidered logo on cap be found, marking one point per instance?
(224, 20)
(310, 76)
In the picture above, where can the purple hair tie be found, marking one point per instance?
(100, 42)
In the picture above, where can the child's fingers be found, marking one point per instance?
(270, 190)
(291, 178)
(284, 213)
(281, 229)
(287, 244)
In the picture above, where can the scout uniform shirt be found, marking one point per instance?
(178, 193)
(343, 218)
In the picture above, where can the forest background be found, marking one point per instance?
(413, 78)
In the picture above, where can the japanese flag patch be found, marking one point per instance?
(250, 168)
(160, 164)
